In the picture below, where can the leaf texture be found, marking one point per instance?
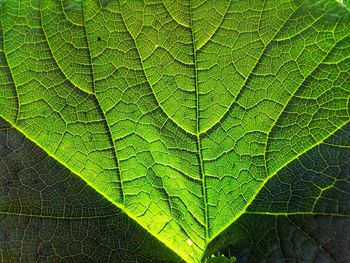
(302, 214)
(182, 114)
(49, 215)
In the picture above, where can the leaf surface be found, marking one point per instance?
(49, 215)
(302, 214)
(178, 113)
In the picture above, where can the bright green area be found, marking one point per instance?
(176, 112)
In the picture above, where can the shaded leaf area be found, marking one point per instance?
(292, 238)
(220, 259)
(48, 214)
(302, 214)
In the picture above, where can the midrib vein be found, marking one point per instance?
(198, 135)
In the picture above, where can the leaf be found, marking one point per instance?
(302, 214)
(49, 215)
(181, 114)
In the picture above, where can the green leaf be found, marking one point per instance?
(49, 215)
(302, 214)
(187, 119)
